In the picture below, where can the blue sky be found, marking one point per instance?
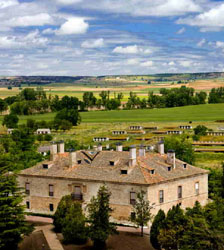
(87, 37)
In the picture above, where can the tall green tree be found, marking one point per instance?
(10, 121)
(12, 220)
(141, 209)
(74, 229)
(100, 211)
(155, 228)
(71, 115)
(171, 233)
(60, 214)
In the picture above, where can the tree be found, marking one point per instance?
(155, 228)
(99, 218)
(171, 232)
(73, 229)
(222, 181)
(10, 121)
(60, 214)
(71, 115)
(141, 210)
(65, 125)
(28, 94)
(200, 130)
(3, 105)
(182, 146)
(12, 219)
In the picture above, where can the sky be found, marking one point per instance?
(110, 37)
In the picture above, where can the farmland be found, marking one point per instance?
(205, 112)
(140, 88)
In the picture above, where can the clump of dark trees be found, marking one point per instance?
(195, 228)
(77, 228)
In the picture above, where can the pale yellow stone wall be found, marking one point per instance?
(120, 194)
(170, 189)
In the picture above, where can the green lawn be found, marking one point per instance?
(206, 112)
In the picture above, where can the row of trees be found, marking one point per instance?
(30, 101)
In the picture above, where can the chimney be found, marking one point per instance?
(142, 150)
(72, 158)
(171, 158)
(99, 147)
(119, 147)
(132, 156)
(161, 147)
(94, 148)
(61, 147)
(53, 151)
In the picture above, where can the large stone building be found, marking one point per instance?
(166, 180)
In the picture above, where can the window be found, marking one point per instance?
(28, 205)
(152, 171)
(161, 196)
(77, 195)
(179, 192)
(124, 171)
(51, 207)
(133, 215)
(185, 165)
(112, 163)
(197, 188)
(132, 198)
(45, 166)
(51, 190)
(27, 188)
(79, 161)
(169, 168)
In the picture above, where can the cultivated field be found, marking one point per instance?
(141, 89)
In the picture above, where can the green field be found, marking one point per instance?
(206, 112)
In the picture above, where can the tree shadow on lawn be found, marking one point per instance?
(124, 241)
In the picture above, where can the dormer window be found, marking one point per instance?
(112, 163)
(152, 171)
(169, 169)
(124, 171)
(45, 166)
(185, 165)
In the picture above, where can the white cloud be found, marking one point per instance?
(145, 7)
(132, 49)
(185, 64)
(74, 25)
(172, 63)
(212, 20)
(48, 31)
(92, 44)
(132, 61)
(147, 64)
(32, 39)
(126, 50)
(34, 20)
(219, 45)
(201, 42)
(7, 3)
(181, 31)
(68, 2)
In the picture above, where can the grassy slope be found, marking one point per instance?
(207, 112)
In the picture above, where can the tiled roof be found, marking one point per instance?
(96, 166)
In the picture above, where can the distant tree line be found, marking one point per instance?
(32, 101)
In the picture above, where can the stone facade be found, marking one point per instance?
(166, 180)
